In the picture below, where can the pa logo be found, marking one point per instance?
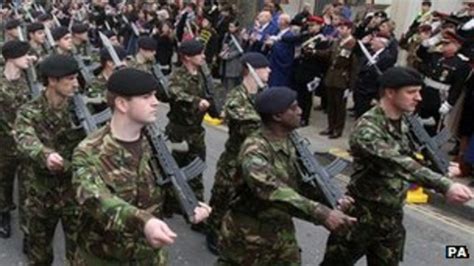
(457, 252)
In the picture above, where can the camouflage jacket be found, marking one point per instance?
(13, 94)
(96, 90)
(139, 62)
(40, 130)
(186, 91)
(241, 118)
(273, 191)
(384, 162)
(38, 51)
(117, 194)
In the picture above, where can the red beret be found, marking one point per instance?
(316, 19)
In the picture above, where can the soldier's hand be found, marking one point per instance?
(158, 234)
(344, 203)
(459, 193)
(204, 105)
(55, 162)
(454, 170)
(338, 221)
(201, 212)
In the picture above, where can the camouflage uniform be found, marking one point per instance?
(39, 131)
(185, 124)
(242, 120)
(139, 62)
(383, 166)
(258, 229)
(117, 194)
(96, 94)
(38, 51)
(12, 95)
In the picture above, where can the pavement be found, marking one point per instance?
(340, 147)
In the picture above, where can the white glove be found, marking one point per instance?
(445, 108)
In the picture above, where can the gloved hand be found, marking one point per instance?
(445, 108)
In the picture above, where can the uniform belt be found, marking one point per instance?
(436, 84)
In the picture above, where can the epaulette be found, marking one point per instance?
(463, 57)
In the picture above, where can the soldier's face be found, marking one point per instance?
(291, 118)
(65, 42)
(66, 86)
(13, 33)
(263, 73)
(406, 99)
(114, 40)
(21, 62)
(450, 47)
(198, 60)
(39, 36)
(143, 109)
(82, 36)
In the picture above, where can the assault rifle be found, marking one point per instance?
(163, 92)
(209, 92)
(88, 121)
(315, 174)
(178, 177)
(429, 146)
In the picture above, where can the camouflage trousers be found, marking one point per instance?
(380, 237)
(222, 192)
(50, 199)
(245, 240)
(197, 148)
(83, 258)
(9, 163)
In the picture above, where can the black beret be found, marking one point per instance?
(44, 17)
(104, 53)
(131, 82)
(275, 100)
(58, 66)
(257, 60)
(15, 49)
(36, 26)
(79, 28)
(59, 32)
(147, 43)
(399, 77)
(191, 47)
(11, 24)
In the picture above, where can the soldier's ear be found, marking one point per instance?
(121, 104)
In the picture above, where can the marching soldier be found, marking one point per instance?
(37, 38)
(121, 206)
(63, 39)
(445, 76)
(258, 228)
(46, 138)
(11, 30)
(14, 92)
(80, 40)
(188, 106)
(384, 167)
(145, 57)
(339, 78)
(243, 120)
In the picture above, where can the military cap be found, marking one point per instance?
(399, 77)
(256, 60)
(59, 32)
(275, 100)
(147, 43)
(131, 82)
(315, 19)
(79, 28)
(11, 24)
(451, 37)
(58, 66)
(33, 27)
(381, 14)
(104, 53)
(191, 47)
(44, 17)
(14, 49)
